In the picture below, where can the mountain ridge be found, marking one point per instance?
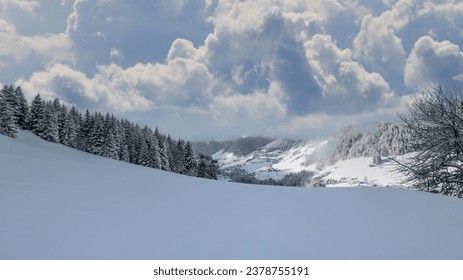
(281, 157)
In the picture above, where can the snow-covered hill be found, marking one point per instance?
(59, 203)
(343, 158)
(240, 147)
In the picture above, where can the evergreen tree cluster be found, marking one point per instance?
(100, 134)
(387, 139)
(304, 178)
(13, 110)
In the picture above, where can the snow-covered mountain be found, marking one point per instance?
(239, 147)
(60, 203)
(343, 158)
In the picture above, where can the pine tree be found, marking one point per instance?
(8, 125)
(61, 112)
(36, 115)
(170, 154)
(22, 109)
(179, 157)
(83, 136)
(111, 143)
(143, 154)
(49, 128)
(70, 131)
(190, 162)
(132, 141)
(96, 137)
(202, 167)
(154, 152)
(376, 160)
(124, 153)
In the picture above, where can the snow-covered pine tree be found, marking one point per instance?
(49, 127)
(36, 115)
(165, 165)
(170, 156)
(132, 139)
(179, 157)
(376, 159)
(61, 112)
(8, 125)
(127, 148)
(22, 109)
(212, 167)
(162, 149)
(154, 151)
(70, 131)
(202, 167)
(96, 136)
(18, 104)
(143, 153)
(190, 161)
(111, 141)
(83, 135)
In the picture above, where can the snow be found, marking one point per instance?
(59, 203)
(271, 162)
(359, 171)
(311, 156)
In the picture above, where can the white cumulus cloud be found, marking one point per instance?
(378, 43)
(346, 85)
(75, 88)
(431, 61)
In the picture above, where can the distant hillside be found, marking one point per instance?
(247, 158)
(389, 139)
(239, 147)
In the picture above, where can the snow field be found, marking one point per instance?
(59, 203)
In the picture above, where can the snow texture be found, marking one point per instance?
(59, 203)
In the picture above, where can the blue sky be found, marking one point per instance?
(219, 69)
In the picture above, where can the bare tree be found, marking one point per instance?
(435, 119)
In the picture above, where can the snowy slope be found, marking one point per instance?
(360, 172)
(275, 160)
(342, 159)
(58, 203)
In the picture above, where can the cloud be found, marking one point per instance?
(49, 48)
(262, 60)
(73, 87)
(143, 29)
(73, 18)
(29, 6)
(431, 61)
(274, 66)
(449, 11)
(346, 86)
(257, 105)
(182, 48)
(377, 42)
(24, 47)
(116, 53)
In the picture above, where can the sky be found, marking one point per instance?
(221, 69)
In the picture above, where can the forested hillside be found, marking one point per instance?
(388, 139)
(100, 134)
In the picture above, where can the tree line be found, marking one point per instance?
(100, 134)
